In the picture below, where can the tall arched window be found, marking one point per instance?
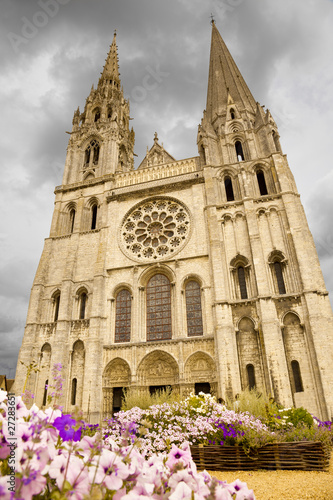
(297, 376)
(72, 219)
(91, 154)
(123, 316)
(262, 183)
(159, 308)
(56, 305)
(239, 151)
(97, 115)
(229, 189)
(74, 386)
(82, 305)
(251, 376)
(279, 277)
(45, 393)
(193, 308)
(242, 282)
(232, 114)
(93, 217)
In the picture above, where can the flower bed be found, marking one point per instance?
(54, 460)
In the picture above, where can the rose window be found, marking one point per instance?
(155, 229)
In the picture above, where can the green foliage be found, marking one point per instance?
(143, 399)
(256, 403)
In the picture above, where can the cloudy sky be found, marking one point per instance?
(53, 50)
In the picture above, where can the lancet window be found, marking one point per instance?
(193, 308)
(123, 316)
(159, 308)
(91, 154)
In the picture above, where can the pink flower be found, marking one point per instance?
(111, 470)
(5, 494)
(58, 468)
(182, 491)
(27, 487)
(177, 455)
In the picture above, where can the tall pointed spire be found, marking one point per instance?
(111, 67)
(225, 80)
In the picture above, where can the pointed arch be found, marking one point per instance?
(91, 154)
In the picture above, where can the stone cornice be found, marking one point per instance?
(160, 343)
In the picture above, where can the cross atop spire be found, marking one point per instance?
(225, 79)
(111, 67)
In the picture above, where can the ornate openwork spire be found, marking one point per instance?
(225, 80)
(111, 67)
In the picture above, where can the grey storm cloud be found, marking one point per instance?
(283, 50)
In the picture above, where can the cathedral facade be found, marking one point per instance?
(199, 274)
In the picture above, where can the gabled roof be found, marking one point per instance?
(156, 155)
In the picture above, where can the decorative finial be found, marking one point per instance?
(155, 137)
(212, 19)
(115, 33)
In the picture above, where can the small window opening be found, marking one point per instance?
(110, 110)
(239, 151)
(97, 116)
(74, 385)
(297, 376)
(229, 189)
(262, 183)
(93, 217)
(242, 282)
(251, 376)
(83, 302)
(72, 219)
(279, 277)
(45, 392)
(232, 114)
(56, 307)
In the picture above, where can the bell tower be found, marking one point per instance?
(101, 142)
(268, 284)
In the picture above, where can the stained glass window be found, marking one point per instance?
(193, 309)
(159, 308)
(123, 316)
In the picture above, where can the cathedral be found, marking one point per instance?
(200, 274)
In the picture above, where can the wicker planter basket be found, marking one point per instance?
(300, 455)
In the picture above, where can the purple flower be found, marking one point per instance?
(65, 426)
